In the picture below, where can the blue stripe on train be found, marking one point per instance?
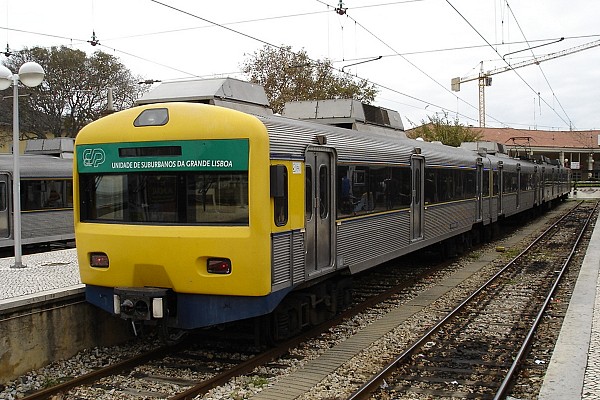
(196, 310)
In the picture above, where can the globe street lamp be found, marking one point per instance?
(30, 74)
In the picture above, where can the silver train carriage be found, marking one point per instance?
(46, 199)
(371, 194)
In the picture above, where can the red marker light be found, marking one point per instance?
(220, 266)
(99, 260)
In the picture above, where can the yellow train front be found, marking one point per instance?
(173, 215)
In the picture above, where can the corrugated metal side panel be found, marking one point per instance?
(486, 209)
(298, 272)
(494, 212)
(442, 219)
(282, 259)
(288, 137)
(36, 166)
(362, 239)
(291, 137)
(290, 140)
(43, 225)
(509, 204)
(439, 155)
(527, 199)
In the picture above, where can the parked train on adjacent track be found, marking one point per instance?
(191, 215)
(46, 199)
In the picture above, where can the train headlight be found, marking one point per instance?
(117, 304)
(220, 266)
(152, 117)
(157, 307)
(99, 260)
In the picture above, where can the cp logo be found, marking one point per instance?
(93, 157)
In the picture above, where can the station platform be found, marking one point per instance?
(573, 370)
(44, 276)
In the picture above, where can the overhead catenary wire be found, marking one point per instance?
(539, 65)
(282, 48)
(417, 67)
(507, 63)
(151, 60)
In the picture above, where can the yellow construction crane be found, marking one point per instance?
(485, 78)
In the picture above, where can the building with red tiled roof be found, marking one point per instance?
(579, 150)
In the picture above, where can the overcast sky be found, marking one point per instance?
(423, 44)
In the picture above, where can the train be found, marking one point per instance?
(46, 192)
(200, 207)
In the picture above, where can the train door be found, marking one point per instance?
(500, 186)
(536, 180)
(518, 185)
(543, 184)
(479, 188)
(320, 216)
(4, 211)
(417, 203)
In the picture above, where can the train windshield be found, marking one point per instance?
(194, 198)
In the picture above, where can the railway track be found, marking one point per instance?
(477, 348)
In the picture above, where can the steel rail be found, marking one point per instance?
(371, 385)
(101, 373)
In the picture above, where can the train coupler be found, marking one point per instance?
(140, 304)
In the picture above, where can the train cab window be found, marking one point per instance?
(215, 198)
(211, 198)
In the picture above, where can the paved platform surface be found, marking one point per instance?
(45, 275)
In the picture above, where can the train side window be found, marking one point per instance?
(470, 180)
(3, 196)
(417, 187)
(323, 191)
(486, 183)
(52, 195)
(401, 187)
(367, 189)
(308, 193)
(431, 195)
(281, 202)
(495, 180)
(510, 182)
(46, 194)
(68, 193)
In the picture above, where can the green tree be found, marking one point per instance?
(441, 129)
(74, 91)
(289, 76)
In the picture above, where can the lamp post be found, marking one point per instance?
(30, 74)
